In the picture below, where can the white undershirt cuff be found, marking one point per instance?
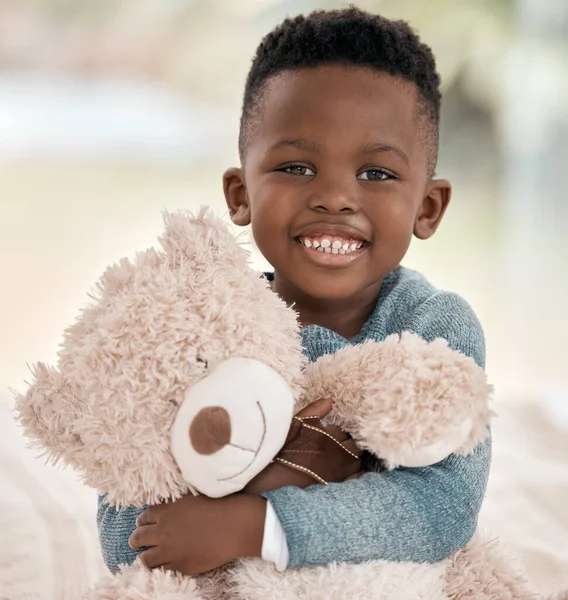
(274, 544)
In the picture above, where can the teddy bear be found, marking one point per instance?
(160, 391)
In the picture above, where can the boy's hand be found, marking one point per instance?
(311, 450)
(196, 534)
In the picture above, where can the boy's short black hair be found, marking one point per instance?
(350, 37)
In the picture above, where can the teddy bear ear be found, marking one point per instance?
(196, 240)
(122, 274)
(47, 412)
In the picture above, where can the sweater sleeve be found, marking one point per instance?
(115, 528)
(417, 515)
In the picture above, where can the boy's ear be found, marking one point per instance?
(434, 204)
(236, 196)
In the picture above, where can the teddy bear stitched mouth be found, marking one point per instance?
(247, 449)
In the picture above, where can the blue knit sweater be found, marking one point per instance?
(417, 515)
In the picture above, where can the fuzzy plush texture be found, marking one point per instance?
(485, 570)
(157, 325)
(408, 395)
(137, 583)
(377, 580)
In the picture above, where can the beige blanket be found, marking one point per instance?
(48, 543)
(527, 499)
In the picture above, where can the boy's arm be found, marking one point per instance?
(418, 515)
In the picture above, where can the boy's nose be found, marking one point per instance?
(334, 197)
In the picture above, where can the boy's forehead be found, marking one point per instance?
(339, 104)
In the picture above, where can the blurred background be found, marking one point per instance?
(112, 110)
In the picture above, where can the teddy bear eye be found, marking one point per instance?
(202, 362)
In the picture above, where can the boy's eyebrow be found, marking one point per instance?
(379, 147)
(313, 146)
(300, 143)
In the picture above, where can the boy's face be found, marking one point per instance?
(335, 180)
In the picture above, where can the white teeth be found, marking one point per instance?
(335, 247)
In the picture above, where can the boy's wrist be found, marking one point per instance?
(249, 515)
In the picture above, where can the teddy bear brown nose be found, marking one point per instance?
(210, 430)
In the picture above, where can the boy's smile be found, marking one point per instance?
(331, 245)
(335, 182)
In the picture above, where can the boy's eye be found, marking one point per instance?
(298, 170)
(375, 175)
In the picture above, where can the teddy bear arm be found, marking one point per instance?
(347, 376)
(408, 401)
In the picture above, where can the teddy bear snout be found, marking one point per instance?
(210, 430)
(230, 425)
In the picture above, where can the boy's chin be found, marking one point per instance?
(331, 287)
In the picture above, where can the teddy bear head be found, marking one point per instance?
(181, 375)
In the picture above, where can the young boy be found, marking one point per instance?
(338, 144)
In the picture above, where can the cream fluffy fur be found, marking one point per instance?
(154, 328)
(408, 394)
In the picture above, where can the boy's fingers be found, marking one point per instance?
(333, 431)
(152, 558)
(319, 408)
(142, 536)
(145, 518)
(352, 447)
